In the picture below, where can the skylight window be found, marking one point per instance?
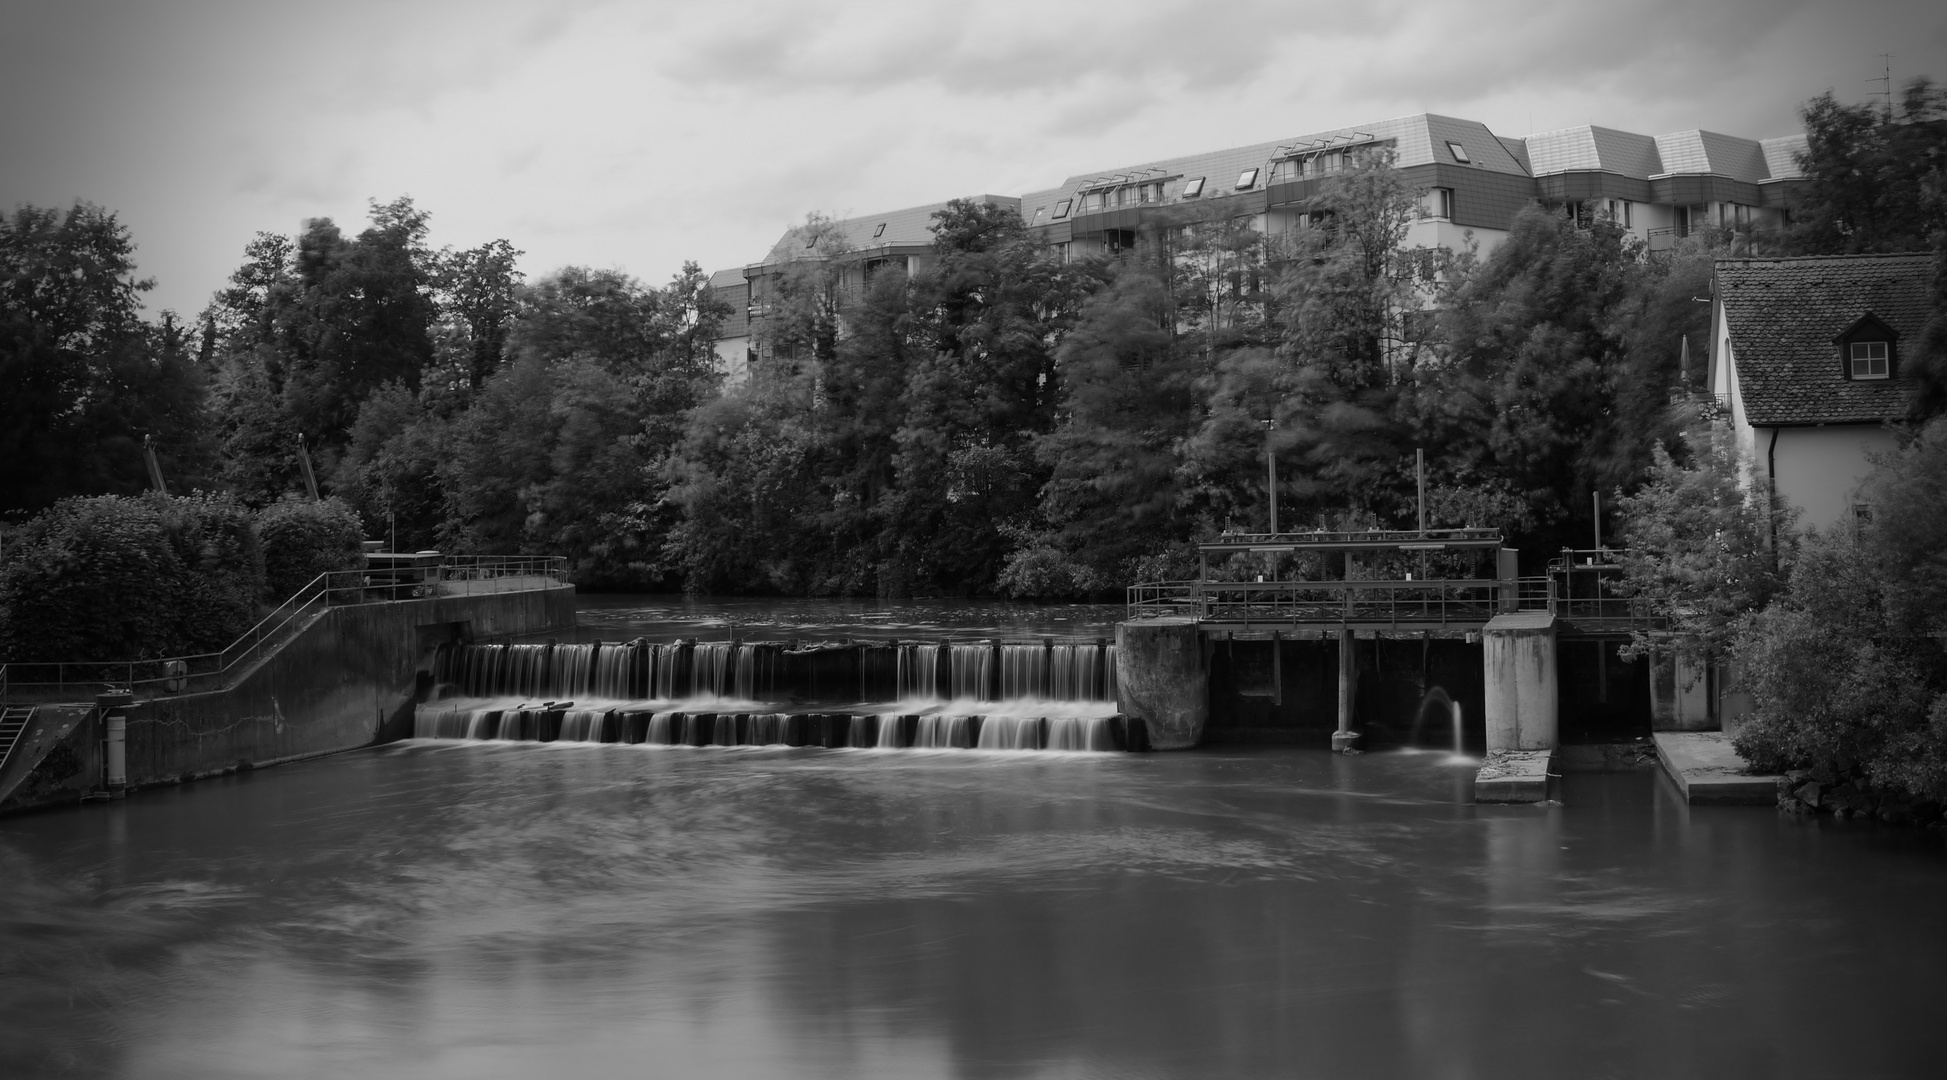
(1061, 209)
(880, 231)
(1459, 153)
(1193, 187)
(1246, 179)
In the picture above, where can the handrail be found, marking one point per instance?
(200, 672)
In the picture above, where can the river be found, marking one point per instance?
(499, 910)
(485, 909)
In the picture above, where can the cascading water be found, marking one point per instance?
(1439, 698)
(991, 695)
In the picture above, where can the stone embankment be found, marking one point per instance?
(1848, 794)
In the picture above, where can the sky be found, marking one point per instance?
(639, 134)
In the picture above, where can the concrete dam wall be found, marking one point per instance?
(348, 680)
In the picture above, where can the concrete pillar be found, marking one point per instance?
(1344, 738)
(1519, 669)
(114, 726)
(1160, 678)
(1679, 694)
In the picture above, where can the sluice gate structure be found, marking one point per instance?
(1334, 619)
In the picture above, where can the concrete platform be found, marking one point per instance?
(1710, 773)
(1514, 776)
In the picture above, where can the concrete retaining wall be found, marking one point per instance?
(348, 680)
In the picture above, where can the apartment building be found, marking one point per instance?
(1472, 183)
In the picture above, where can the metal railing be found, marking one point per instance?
(1460, 602)
(1569, 591)
(460, 575)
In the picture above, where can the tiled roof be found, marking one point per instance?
(912, 226)
(1783, 315)
(1594, 149)
(1781, 156)
(1417, 140)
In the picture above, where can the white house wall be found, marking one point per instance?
(1818, 469)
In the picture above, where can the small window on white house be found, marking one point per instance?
(1061, 209)
(1246, 179)
(880, 231)
(1193, 187)
(1439, 203)
(1459, 153)
(1869, 360)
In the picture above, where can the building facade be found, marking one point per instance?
(1472, 183)
(1807, 356)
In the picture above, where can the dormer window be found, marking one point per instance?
(1870, 359)
(1193, 187)
(880, 231)
(1868, 350)
(1061, 209)
(1246, 179)
(1459, 153)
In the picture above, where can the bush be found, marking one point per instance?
(1835, 686)
(120, 578)
(303, 539)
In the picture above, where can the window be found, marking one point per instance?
(1439, 203)
(1038, 211)
(1246, 179)
(1284, 171)
(1459, 153)
(1870, 360)
(1193, 187)
(1061, 209)
(880, 231)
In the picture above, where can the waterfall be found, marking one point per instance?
(1024, 672)
(585, 725)
(1010, 733)
(664, 674)
(936, 732)
(1080, 733)
(972, 666)
(611, 675)
(710, 662)
(662, 729)
(919, 672)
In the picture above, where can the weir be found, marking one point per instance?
(1341, 637)
(995, 695)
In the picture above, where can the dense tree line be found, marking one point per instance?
(1003, 422)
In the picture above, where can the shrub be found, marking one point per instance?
(1835, 685)
(303, 538)
(119, 578)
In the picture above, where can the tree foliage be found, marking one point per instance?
(118, 577)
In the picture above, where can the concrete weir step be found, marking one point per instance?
(1708, 771)
(1514, 776)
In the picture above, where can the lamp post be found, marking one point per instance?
(1271, 471)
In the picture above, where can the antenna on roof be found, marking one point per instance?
(1885, 82)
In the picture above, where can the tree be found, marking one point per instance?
(85, 377)
(1873, 179)
(1698, 547)
(476, 290)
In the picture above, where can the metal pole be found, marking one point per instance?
(1271, 467)
(1597, 496)
(1419, 467)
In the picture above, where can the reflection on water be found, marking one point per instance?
(617, 617)
(500, 910)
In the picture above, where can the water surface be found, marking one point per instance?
(502, 910)
(619, 616)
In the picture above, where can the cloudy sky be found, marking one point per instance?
(640, 133)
